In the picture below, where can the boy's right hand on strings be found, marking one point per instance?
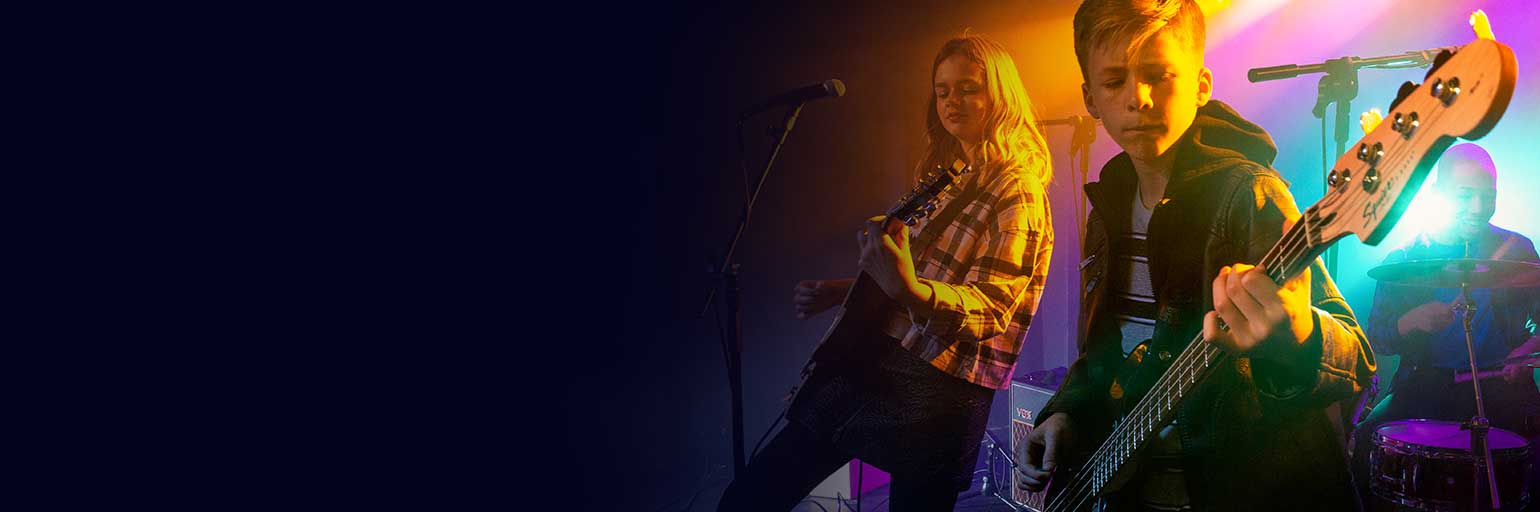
(1044, 445)
(814, 297)
(1430, 317)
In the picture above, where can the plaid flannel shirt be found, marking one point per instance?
(987, 270)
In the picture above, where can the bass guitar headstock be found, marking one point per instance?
(1462, 96)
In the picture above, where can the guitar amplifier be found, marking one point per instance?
(1029, 393)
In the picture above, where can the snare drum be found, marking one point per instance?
(1428, 465)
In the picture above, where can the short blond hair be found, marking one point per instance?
(1108, 21)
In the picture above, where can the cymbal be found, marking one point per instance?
(1449, 273)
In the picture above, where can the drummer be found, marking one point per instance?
(1419, 325)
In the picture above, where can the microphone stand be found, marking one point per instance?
(728, 275)
(1079, 144)
(1340, 86)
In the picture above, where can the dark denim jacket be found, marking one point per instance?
(1257, 435)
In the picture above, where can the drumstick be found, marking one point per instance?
(1485, 374)
(1496, 369)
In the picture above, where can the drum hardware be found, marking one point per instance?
(1466, 273)
(1478, 424)
(1498, 369)
(1448, 273)
(1428, 465)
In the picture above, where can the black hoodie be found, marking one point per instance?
(1256, 435)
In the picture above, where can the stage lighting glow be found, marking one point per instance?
(1209, 7)
(1429, 211)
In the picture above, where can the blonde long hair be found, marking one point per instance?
(1012, 139)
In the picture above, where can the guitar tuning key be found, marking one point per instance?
(1406, 90)
(1443, 56)
(1406, 124)
(1371, 154)
(1451, 90)
(1371, 179)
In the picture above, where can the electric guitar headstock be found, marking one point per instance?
(921, 202)
(1462, 96)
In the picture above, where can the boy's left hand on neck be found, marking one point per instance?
(1266, 321)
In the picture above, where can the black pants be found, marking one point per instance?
(795, 462)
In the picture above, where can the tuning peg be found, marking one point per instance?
(1445, 91)
(1371, 179)
(1406, 124)
(1406, 90)
(1438, 61)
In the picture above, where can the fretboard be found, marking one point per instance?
(1290, 256)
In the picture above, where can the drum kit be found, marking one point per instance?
(1443, 465)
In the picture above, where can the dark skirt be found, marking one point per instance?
(898, 413)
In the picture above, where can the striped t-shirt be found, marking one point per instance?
(1163, 488)
(1135, 295)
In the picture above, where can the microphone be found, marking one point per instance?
(829, 88)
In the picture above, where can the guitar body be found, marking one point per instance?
(868, 321)
(860, 319)
(852, 341)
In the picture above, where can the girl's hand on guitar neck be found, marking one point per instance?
(814, 297)
(885, 257)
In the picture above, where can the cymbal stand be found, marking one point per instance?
(1478, 425)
